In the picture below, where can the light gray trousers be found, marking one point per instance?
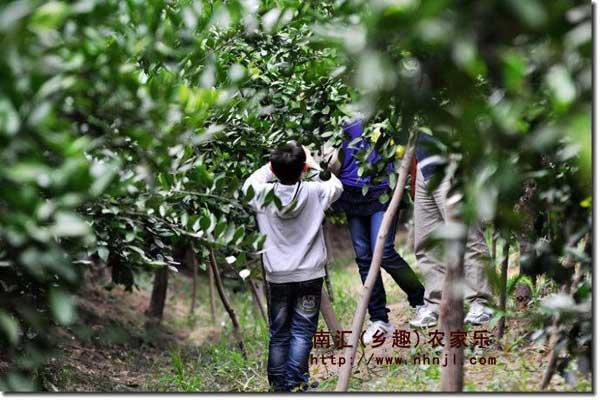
(431, 212)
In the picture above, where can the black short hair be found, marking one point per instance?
(287, 162)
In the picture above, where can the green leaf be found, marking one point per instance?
(361, 170)
(63, 306)
(11, 327)
(103, 174)
(50, 15)
(9, 118)
(204, 177)
(229, 234)
(561, 85)
(384, 198)
(515, 66)
(69, 224)
(103, 253)
(13, 12)
(239, 234)
(392, 180)
(220, 228)
(530, 11)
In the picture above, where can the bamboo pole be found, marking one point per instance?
(227, 304)
(365, 294)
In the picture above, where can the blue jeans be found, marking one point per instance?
(363, 230)
(293, 314)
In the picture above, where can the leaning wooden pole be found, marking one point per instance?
(227, 304)
(365, 294)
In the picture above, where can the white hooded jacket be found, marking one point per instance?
(294, 250)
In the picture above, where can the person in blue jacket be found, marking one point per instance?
(365, 214)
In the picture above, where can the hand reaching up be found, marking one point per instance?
(310, 161)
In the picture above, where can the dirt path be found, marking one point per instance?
(111, 349)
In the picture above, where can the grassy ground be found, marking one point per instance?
(110, 350)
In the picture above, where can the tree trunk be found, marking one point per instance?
(556, 335)
(257, 301)
(159, 294)
(335, 329)
(503, 281)
(211, 294)
(192, 263)
(365, 294)
(452, 316)
(227, 304)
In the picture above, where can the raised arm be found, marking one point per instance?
(329, 190)
(259, 180)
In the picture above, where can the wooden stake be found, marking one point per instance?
(227, 304)
(335, 329)
(365, 294)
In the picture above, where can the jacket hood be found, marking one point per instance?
(293, 200)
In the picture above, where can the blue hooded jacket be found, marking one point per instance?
(349, 166)
(353, 202)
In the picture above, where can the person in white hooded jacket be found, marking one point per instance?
(290, 212)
